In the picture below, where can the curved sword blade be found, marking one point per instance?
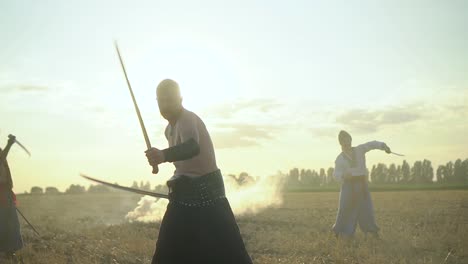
(23, 147)
(401, 155)
(128, 189)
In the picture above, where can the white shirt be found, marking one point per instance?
(188, 126)
(356, 165)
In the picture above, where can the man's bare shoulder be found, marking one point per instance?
(190, 117)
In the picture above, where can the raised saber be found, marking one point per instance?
(142, 124)
(12, 140)
(398, 154)
(19, 144)
(128, 189)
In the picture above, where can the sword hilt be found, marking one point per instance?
(4, 152)
(155, 167)
(11, 139)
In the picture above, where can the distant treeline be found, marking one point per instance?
(78, 189)
(420, 173)
(241, 179)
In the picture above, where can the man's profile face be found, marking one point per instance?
(169, 102)
(346, 142)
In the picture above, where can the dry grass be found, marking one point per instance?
(416, 227)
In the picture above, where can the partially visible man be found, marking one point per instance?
(355, 204)
(10, 236)
(198, 226)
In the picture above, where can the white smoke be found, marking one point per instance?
(149, 209)
(247, 198)
(253, 197)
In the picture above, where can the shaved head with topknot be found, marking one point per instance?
(168, 86)
(169, 99)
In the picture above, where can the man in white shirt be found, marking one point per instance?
(10, 235)
(198, 226)
(355, 201)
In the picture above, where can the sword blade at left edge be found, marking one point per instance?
(128, 189)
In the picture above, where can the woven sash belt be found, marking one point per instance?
(202, 191)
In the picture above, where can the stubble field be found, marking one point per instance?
(416, 227)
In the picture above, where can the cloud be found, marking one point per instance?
(458, 109)
(26, 88)
(247, 123)
(325, 131)
(242, 135)
(243, 122)
(435, 110)
(263, 105)
(241, 106)
(364, 120)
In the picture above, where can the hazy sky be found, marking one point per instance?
(273, 80)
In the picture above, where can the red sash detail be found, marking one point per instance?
(4, 192)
